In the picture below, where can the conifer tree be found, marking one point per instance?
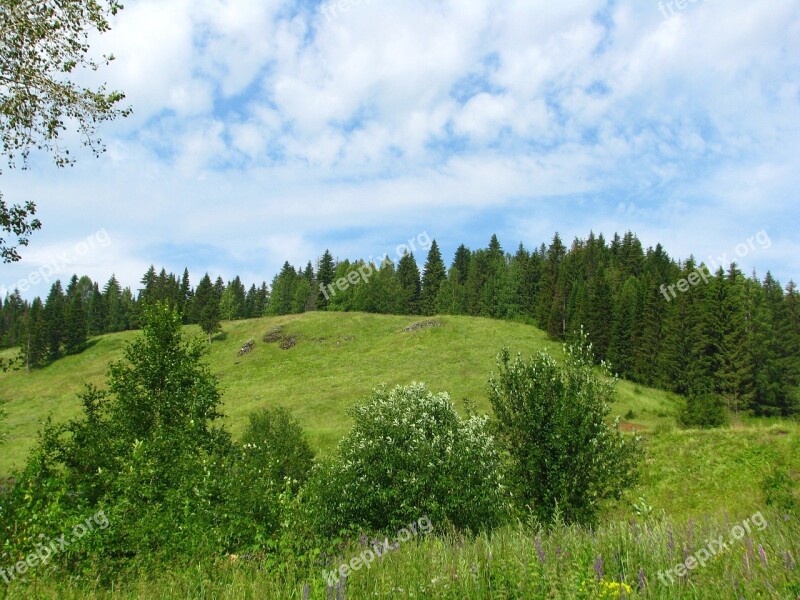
(114, 306)
(34, 346)
(74, 324)
(326, 270)
(433, 275)
(408, 276)
(54, 313)
(621, 351)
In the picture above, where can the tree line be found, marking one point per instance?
(733, 336)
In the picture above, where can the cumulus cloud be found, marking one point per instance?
(270, 129)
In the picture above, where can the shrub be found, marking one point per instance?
(272, 462)
(703, 410)
(564, 458)
(149, 452)
(409, 454)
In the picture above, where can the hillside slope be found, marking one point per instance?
(337, 359)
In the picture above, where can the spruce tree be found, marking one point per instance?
(326, 270)
(34, 345)
(54, 313)
(408, 276)
(75, 325)
(116, 313)
(433, 275)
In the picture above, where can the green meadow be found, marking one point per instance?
(694, 484)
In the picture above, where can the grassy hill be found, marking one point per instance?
(337, 358)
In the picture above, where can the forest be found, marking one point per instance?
(731, 341)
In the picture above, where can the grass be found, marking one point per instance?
(513, 562)
(695, 485)
(338, 359)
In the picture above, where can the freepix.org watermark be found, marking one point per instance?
(44, 551)
(378, 550)
(367, 270)
(759, 241)
(712, 548)
(669, 7)
(331, 9)
(59, 263)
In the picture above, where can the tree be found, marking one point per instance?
(233, 304)
(54, 309)
(44, 44)
(34, 345)
(148, 449)
(433, 275)
(115, 308)
(408, 276)
(551, 420)
(74, 325)
(326, 271)
(205, 307)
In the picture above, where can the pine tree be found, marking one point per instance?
(626, 308)
(283, 291)
(735, 374)
(75, 325)
(96, 308)
(205, 307)
(114, 307)
(546, 294)
(461, 262)
(148, 290)
(34, 345)
(233, 304)
(54, 314)
(185, 296)
(326, 270)
(433, 275)
(408, 276)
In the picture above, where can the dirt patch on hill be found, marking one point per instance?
(422, 325)
(627, 426)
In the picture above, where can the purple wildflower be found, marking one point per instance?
(598, 567)
(762, 554)
(539, 549)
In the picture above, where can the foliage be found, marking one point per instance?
(565, 459)
(44, 45)
(703, 410)
(410, 454)
(147, 450)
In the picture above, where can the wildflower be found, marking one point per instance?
(598, 567)
(762, 554)
(539, 549)
(642, 585)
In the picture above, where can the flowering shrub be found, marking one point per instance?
(408, 454)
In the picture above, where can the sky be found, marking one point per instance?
(266, 130)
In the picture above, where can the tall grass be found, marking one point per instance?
(616, 560)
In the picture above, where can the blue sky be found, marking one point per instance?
(266, 131)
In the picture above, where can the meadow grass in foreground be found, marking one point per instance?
(617, 560)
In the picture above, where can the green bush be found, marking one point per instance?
(148, 451)
(409, 454)
(564, 458)
(703, 410)
(272, 462)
